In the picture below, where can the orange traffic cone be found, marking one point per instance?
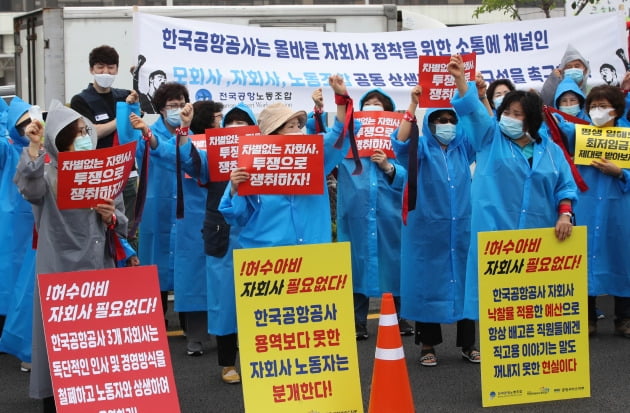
(391, 391)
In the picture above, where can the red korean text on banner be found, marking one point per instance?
(282, 164)
(222, 147)
(438, 86)
(106, 341)
(85, 178)
(375, 132)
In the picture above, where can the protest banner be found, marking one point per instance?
(295, 318)
(106, 341)
(260, 66)
(594, 143)
(375, 132)
(282, 164)
(85, 178)
(438, 86)
(222, 148)
(533, 316)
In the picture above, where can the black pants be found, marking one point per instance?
(430, 334)
(622, 308)
(227, 347)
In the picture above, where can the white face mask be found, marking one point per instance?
(372, 108)
(600, 117)
(104, 80)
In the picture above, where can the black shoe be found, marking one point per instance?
(361, 331)
(405, 328)
(48, 404)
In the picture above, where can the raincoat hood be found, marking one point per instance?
(3, 118)
(568, 85)
(426, 129)
(245, 109)
(17, 108)
(59, 116)
(382, 92)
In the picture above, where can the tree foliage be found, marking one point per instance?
(511, 7)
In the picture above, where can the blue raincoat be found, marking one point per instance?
(369, 209)
(436, 238)
(506, 192)
(277, 220)
(599, 209)
(156, 240)
(568, 128)
(17, 258)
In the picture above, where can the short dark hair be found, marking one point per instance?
(155, 73)
(203, 117)
(532, 108)
(66, 136)
(386, 101)
(106, 55)
(607, 66)
(612, 94)
(237, 114)
(169, 91)
(493, 85)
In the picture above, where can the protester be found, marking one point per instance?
(264, 219)
(71, 239)
(368, 215)
(521, 180)
(97, 103)
(497, 89)
(436, 237)
(157, 230)
(573, 66)
(220, 239)
(17, 258)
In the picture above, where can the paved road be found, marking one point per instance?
(452, 386)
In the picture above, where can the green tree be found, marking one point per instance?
(511, 7)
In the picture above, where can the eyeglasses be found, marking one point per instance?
(171, 106)
(443, 120)
(85, 130)
(602, 106)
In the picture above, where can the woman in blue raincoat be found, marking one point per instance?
(220, 239)
(521, 180)
(17, 257)
(277, 220)
(436, 236)
(185, 238)
(608, 193)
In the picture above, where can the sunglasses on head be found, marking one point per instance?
(444, 120)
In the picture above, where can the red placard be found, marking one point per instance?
(282, 164)
(438, 86)
(84, 178)
(106, 341)
(375, 132)
(222, 147)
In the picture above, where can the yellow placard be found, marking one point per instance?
(295, 319)
(533, 316)
(592, 142)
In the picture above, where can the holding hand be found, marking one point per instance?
(106, 210)
(607, 167)
(132, 98)
(237, 176)
(379, 158)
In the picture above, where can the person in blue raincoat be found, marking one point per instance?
(435, 239)
(608, 194)
(264, 219)
(189, 278)
(17, 257)
(569, 99)
(369, 216)
(521, 180)
(220, 239)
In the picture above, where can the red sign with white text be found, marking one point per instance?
(438, 85)
(222, 147)
(106, 341)
(84, 178)
(282, 164)
(375, 132)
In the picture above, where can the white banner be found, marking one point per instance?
(258, 66)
